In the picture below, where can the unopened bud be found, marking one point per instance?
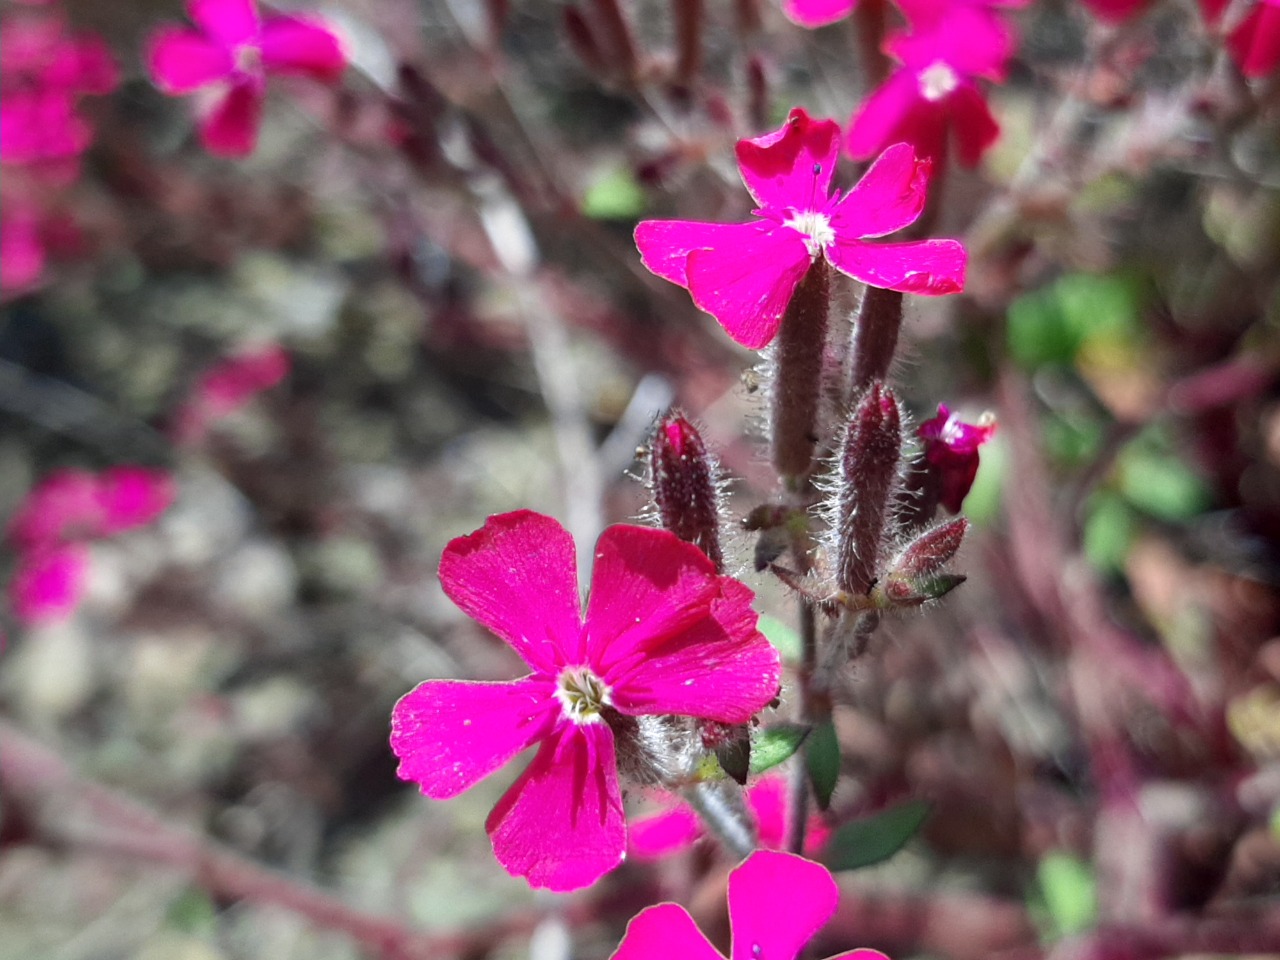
(928, 552)
(875, 336)
(869, 468)
(797, 386)
(684, 485)
(913, 591)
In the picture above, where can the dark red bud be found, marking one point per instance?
(869, 470)
(684, 485)
(875, 336)
(929, 551)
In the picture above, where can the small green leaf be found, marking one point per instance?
(776, 743)
(191, 911)
(1069, 890)
(1161, 485)
(1037, 331)
(822, 756)
(785, 640)
(1109, 529)
(869, 840)
(615, 196)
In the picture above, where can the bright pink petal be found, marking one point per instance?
(561, 824)
(747, 288)
(721, 668)
(865, 953)
(450, 734)
(133, 496)
(971, 39)
(889, 196)
(895, 113)
(230, 127)
(49, 582)
(928, 267)
(647, 586)
(94, 67)
(791, 167)
(66, 503)
(230, 22)
(661, 932)
(817, 13)
(971, 120)
(768, 801)
(662, 834)
(777, 902)
(22, 256)
(298, 45)
(665, 245)
(517, 575)
(1255, 43)
(181, 60)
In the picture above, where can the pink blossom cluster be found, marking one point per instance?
(45, 70)
(226, 58)
(53, 525)
(228, 386)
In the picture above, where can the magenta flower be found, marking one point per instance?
(48, 582)
(662, 634)
(228, 60)
(1255, 43)
(228, 386)
(932, 98)
(987, 38)
(662, 834)
(22, 254)
(777, 902)
(951, 452)
(817, 13)
(744, 274)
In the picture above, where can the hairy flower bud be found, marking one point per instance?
(798, 373)
(684, 485)
(928, 552)
(869, 466)
(875, 336)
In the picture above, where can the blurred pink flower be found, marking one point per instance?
(777, 902)
(662, 834)
(951, 449)
(744, 274)
(22, 255)
(663, 634)
(49, 582)
(1255, 43)
(229, 385)
(229, 58)
(933, 96)
(817, 13)
(987, 37)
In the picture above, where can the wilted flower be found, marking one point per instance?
(951, 452)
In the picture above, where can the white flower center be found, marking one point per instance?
(937, 80)
(816, 228)
(582, 694)
(248, 59)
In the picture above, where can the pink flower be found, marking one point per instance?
(229, 58)
(744, 274)
(1255, 43)
(49, 582)
(662, 834)
(977, 30)
(132, 497)
(951, 452)
(777, 902)
(229, 385)
(817, 13)
(933, 98)
(663, 634)
(22, 255)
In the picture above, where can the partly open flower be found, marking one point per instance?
(229, 58)
(777, 902)
(663, 634)
(951, 453)
(744, 274)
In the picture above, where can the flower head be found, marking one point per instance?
(229, 58)
(744, 274)
(951, 453)
(663, 634)
(777, 902)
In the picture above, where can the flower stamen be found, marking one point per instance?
(815, 227)
(582, 694)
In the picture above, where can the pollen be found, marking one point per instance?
(816, 229)
(582, 694)
(937, 81)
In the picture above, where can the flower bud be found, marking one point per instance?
(797, 385)
(951, 456)
(875, 336)
(869, 467)
(928, 552)
(684, 485)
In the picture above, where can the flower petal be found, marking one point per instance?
(49, 583)
(450, 734)
(66, 503)
(230, 22)
(561, 824)
(300, 45)
(889, 196)
(747, 287)
(181, 60)
(666, 930)
(1255, 43)
(665, 245)
(721, 668)
(928, 267)
(792, 167)
(777, 902)
(817, 13)
(662, 834)
(22, 255)
(133, 496)
(517, 575)
(767, 799)
(975, 128)
(971, 39)
(229, 128)
(893, 113)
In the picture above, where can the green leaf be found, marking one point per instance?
(870, 840)
(1161, 485)
(986, 496)
(822, 757)
(1105, 307)
(615, 196)
(191, 911)
(1069, 890)
(776, 743)
(1109, 530)
(1037, 331)
(785, 640)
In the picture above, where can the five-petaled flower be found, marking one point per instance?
(951, 453)
(777, 902)
(663, 634)
(228, 60)
(744, 274)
